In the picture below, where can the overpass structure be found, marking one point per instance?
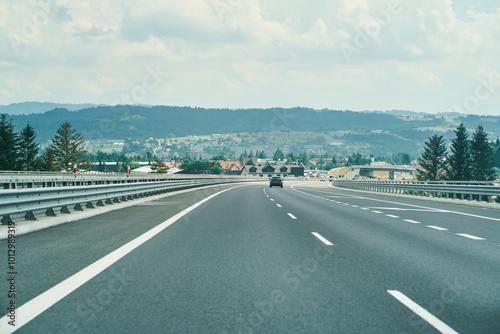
(369, 170)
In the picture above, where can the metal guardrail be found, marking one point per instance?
(480, 191)
(50, 200)
(17, 180)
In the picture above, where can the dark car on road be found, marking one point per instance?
(276, 181)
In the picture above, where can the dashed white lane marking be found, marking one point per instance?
(404, 209)
(392, 216)
(422, 313)
(320, 237)
(376, 211)
(292, 216)
(473, 237)
(366, 209)
(272, 200)
(279, 206)
(437, 228)
(412, 221)
(42, 302)
(354, 206)
(410, 205)
(345, 203)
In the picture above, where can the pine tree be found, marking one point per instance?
(482, 156)
(460, 159)
(67, 146)
(9, 142)
(48, 161)
(28, 148)
(433, 160)
(278, 155)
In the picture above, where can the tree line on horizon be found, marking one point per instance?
(20, 151)
(467, 160)
(471, 159)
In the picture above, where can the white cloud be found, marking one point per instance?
(93, 51)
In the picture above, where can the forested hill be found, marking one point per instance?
(160, 121)
(123, 122)
(26, 108)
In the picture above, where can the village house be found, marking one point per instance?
(267, 170)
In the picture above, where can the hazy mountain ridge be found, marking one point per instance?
(383, 132)
(26, 108)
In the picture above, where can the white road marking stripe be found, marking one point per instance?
(346, 203)
(412, 221)
(403, 209)
(272, 200)
(42, 302)
(364, 209)
(377, 212)
(354, 206)
(473, 237)
(292, 216)
(423, 313)
(438, 228)
(320, 237)
(415, 206)
(279, 206)
(392, 216)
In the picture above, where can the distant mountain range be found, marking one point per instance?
(388, 131)
(26, 108)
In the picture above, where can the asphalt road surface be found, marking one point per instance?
(254, 259)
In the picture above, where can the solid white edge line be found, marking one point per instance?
(423, 313)
(292, 216)
(411, 205)
(320, 237)
(437, 228)
(473, 237)
(42, 302)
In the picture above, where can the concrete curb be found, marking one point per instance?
(484, 205)
(43, 222)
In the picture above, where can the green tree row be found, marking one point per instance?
(19, 151)
(469, 159)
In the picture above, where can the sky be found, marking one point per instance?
(420, 55)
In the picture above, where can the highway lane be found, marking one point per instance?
(247, 261)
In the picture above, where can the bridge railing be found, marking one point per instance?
(19, 180)
(479, 191)
(32, 201)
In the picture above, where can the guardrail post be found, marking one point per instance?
(65, 209)
(50, 212)
(6, 220)
(78, 207)
(99, 203)
(30, 216)
(89, 205)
